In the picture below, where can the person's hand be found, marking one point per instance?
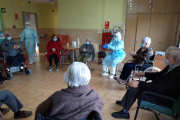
(38, 44)
(134, 84)
(53, 49)
(17, 46)
(139, 74)
(84, 50)
(105, 46)
(132, 53)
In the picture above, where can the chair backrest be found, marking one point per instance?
(64, 39)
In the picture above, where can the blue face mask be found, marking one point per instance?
(28, 27)
(9, 38)
(87, 43)
(115, 39)
(167, 61)
(141, 45)
(54, 39)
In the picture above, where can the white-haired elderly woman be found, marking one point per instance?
(166, 82)
(144, 53)
(85, 51)
(75, 102)
(115, 56)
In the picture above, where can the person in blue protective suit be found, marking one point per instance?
(115, 56)
(30, 35)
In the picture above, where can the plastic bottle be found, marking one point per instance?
(78, 42)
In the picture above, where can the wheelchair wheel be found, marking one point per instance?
(152, 69)
(2, 68)
(27, 71)
(9, 75)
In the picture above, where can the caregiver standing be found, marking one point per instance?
(30, 35)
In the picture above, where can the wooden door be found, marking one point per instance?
(169, 31)
(143, 27)
(156, 29)
(145, 6)
(159, 6)
(133, 6)
(173, 6)
(131, 22)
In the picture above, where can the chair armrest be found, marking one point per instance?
(158, 95)
(149, 61)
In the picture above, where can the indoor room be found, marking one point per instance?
(89, 59)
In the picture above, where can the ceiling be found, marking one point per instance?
(47, 2)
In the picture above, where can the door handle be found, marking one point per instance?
(161, 42)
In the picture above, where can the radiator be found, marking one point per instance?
(96, 50)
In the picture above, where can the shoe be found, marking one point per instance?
(120, 115)
(105, 74)
(123, 82)
(57, 69)
(5, 110)
(50, 69)
(23, 114)
(118, 102)
(111, 76)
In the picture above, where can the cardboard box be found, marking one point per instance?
(159, 62)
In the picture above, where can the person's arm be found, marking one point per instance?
(48, 47)
(59, 48)
(5, 47)
(22, 36)
(45, 107)
(36, 36)
(152, 76)
(81, 48)
(90, 49)
(116, 47)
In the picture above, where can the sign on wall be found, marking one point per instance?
(106, 26)
(16, 16)
(1, 22)
(3, 10)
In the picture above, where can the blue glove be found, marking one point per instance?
(20, 42)
(38, 44)
(105, 46)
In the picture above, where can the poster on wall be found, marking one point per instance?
(16, 16)
(1, 22)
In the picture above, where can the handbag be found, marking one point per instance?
(101, 54)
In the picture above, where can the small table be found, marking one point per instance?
(69, 47)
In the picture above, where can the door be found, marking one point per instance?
(169, 31)
(159, 6)
(133, 6)
(131, 22)
(143, 27)
(145, 6)
(173, 6)
(156, 29)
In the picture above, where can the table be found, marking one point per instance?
(71, 49)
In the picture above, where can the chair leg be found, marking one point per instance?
(137, 110)
(156, 115)
(1, 116)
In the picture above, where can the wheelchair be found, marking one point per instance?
(146, 66)
(7, 70)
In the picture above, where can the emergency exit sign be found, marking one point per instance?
(3, 10)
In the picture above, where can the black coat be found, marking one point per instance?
(166, 84)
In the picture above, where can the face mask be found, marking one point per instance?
(28, 27)
(9, 38)
(115, 39)
(87, 43)
(142, 45)
(167, 61)
(54, 39)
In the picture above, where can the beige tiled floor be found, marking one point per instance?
(32, 90)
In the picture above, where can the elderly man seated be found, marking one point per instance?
(166, 82)
(85, 51)
(12, 50)
(75, 102)
(8, 98)
(144, 53)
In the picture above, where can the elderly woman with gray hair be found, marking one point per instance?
(166, 82)
(75, 102)
(144, 53)
(85, 51)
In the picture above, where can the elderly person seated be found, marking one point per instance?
(12, 50)
(75, 102)
(54, 48)
(166, 82)
(8, 98)
(86, 50)
(115, 56)
(144, 53)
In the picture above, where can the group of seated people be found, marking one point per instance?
(78, 100)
